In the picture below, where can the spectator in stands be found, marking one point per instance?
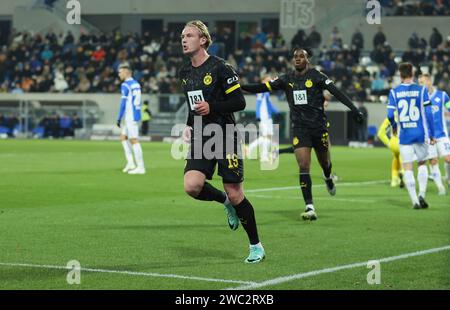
(99, 54)
(17, 89)
(414, 41)
(47, 54)
(84, 86)
(335, 39)
(299, 39)
(435, 38)
(245, 43)
(60, 84)
(391, 65)
(11, 122)
(65, 126)
(379, 38)
(377, 86)
(76, 122)
(314, 38)
(358, 39)
(361, 128)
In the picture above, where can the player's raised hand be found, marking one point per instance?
(202, 107)
(186, 135)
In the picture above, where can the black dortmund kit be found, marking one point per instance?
(217, 83)
(304, 93)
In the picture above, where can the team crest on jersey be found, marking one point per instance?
(207, 79)
(308, 83)
(295, 141)
(184, 81)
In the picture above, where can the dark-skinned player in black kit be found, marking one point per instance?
(304, 88)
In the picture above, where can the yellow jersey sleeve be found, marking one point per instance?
(382, 132)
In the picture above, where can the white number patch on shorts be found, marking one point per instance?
(300, 97)
(195, 95)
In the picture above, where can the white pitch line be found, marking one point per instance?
(284, 279)
(317, 185)
(134, 273)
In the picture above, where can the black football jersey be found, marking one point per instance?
(304, 93)
(211, 82)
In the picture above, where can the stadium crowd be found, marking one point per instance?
(50, 125)
(416, 7)
(59, 63)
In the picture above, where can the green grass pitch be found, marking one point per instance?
(69, 200)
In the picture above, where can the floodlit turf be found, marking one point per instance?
(69, 200)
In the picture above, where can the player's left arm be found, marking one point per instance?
(124, 90)
(234, 99)
(342, 97)
(426, 102)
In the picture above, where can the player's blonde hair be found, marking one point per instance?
(202, 29)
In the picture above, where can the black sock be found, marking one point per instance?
(286, 150)
(210, 193)
(305, 185)
(327, 172)
(246, 215)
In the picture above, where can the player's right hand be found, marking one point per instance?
(187, 134)
(118, 124)
(432, 141)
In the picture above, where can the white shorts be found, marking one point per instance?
(266, 128)
(440, 149)
(413, 152)
(131, 130)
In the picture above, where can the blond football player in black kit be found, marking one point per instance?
(304, 88)
(213, 93)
